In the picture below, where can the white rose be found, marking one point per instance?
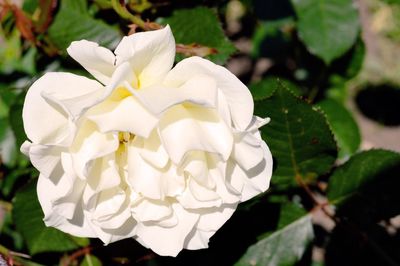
(158, 154)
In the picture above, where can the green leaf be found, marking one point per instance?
(327, 27)
(201, 26)
(28, 216)
(28, 62)
(284, 247)
(8, 147)
(271, 29)
(73, 23)
(16, 122)
(90, 260)
(10, 52)
(362, 172)
(264, 88)
(356, 60)
(299, 137)
(343, 125)
(290, 212)
(81, 241)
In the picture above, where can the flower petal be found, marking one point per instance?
(212, 219)
(128, 115)
(247, 150)
(199, 90)
(46, 159)
(236, 93)
(89, 144)
(97, 60)
(151, 150)
(253, 181)
(151, 54)
(168, 241)
(151, 210)
(197, 239)
(193, 128)
(79, 225)
(44, 123)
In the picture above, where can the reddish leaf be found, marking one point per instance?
(47, 8)
(23, 23)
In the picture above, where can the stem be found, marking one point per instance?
(79, 253)
(124, 13)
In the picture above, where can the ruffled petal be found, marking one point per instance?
(89, 144)
(193, 128)
(150, 54)
(197, 239)
(127, 115)
(142, 176)
(239, 99)
(253, 181)
(212, 219)
(151, 210)
(151, 150)
(168, 241)
(45, 122)
(97, 60)
(46, 159)
(77, 225)
(199, 90)
(247, 150)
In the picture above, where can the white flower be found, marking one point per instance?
(158, 154)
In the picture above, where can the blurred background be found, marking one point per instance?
(339, 57)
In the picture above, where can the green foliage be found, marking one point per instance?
(286, 245)
(299, 137)
(91, 260)
(73, 23)
(8, 147)
(343, 125)
(360, 173)
(328, 28)
(28, 216)
(201, 26)
(266, 87)
(307, 57)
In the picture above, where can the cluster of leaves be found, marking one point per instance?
(315, 47)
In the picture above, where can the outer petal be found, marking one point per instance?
(45, 122)
(45, 158)
(209, 222)
(212, 219)
(168, 241)
(79, 225)
(197, 239)
(151, 54)
(236, 93)
(151, 210)
(187, 129)
(247, 150)
(97, 60)
(253, 181)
